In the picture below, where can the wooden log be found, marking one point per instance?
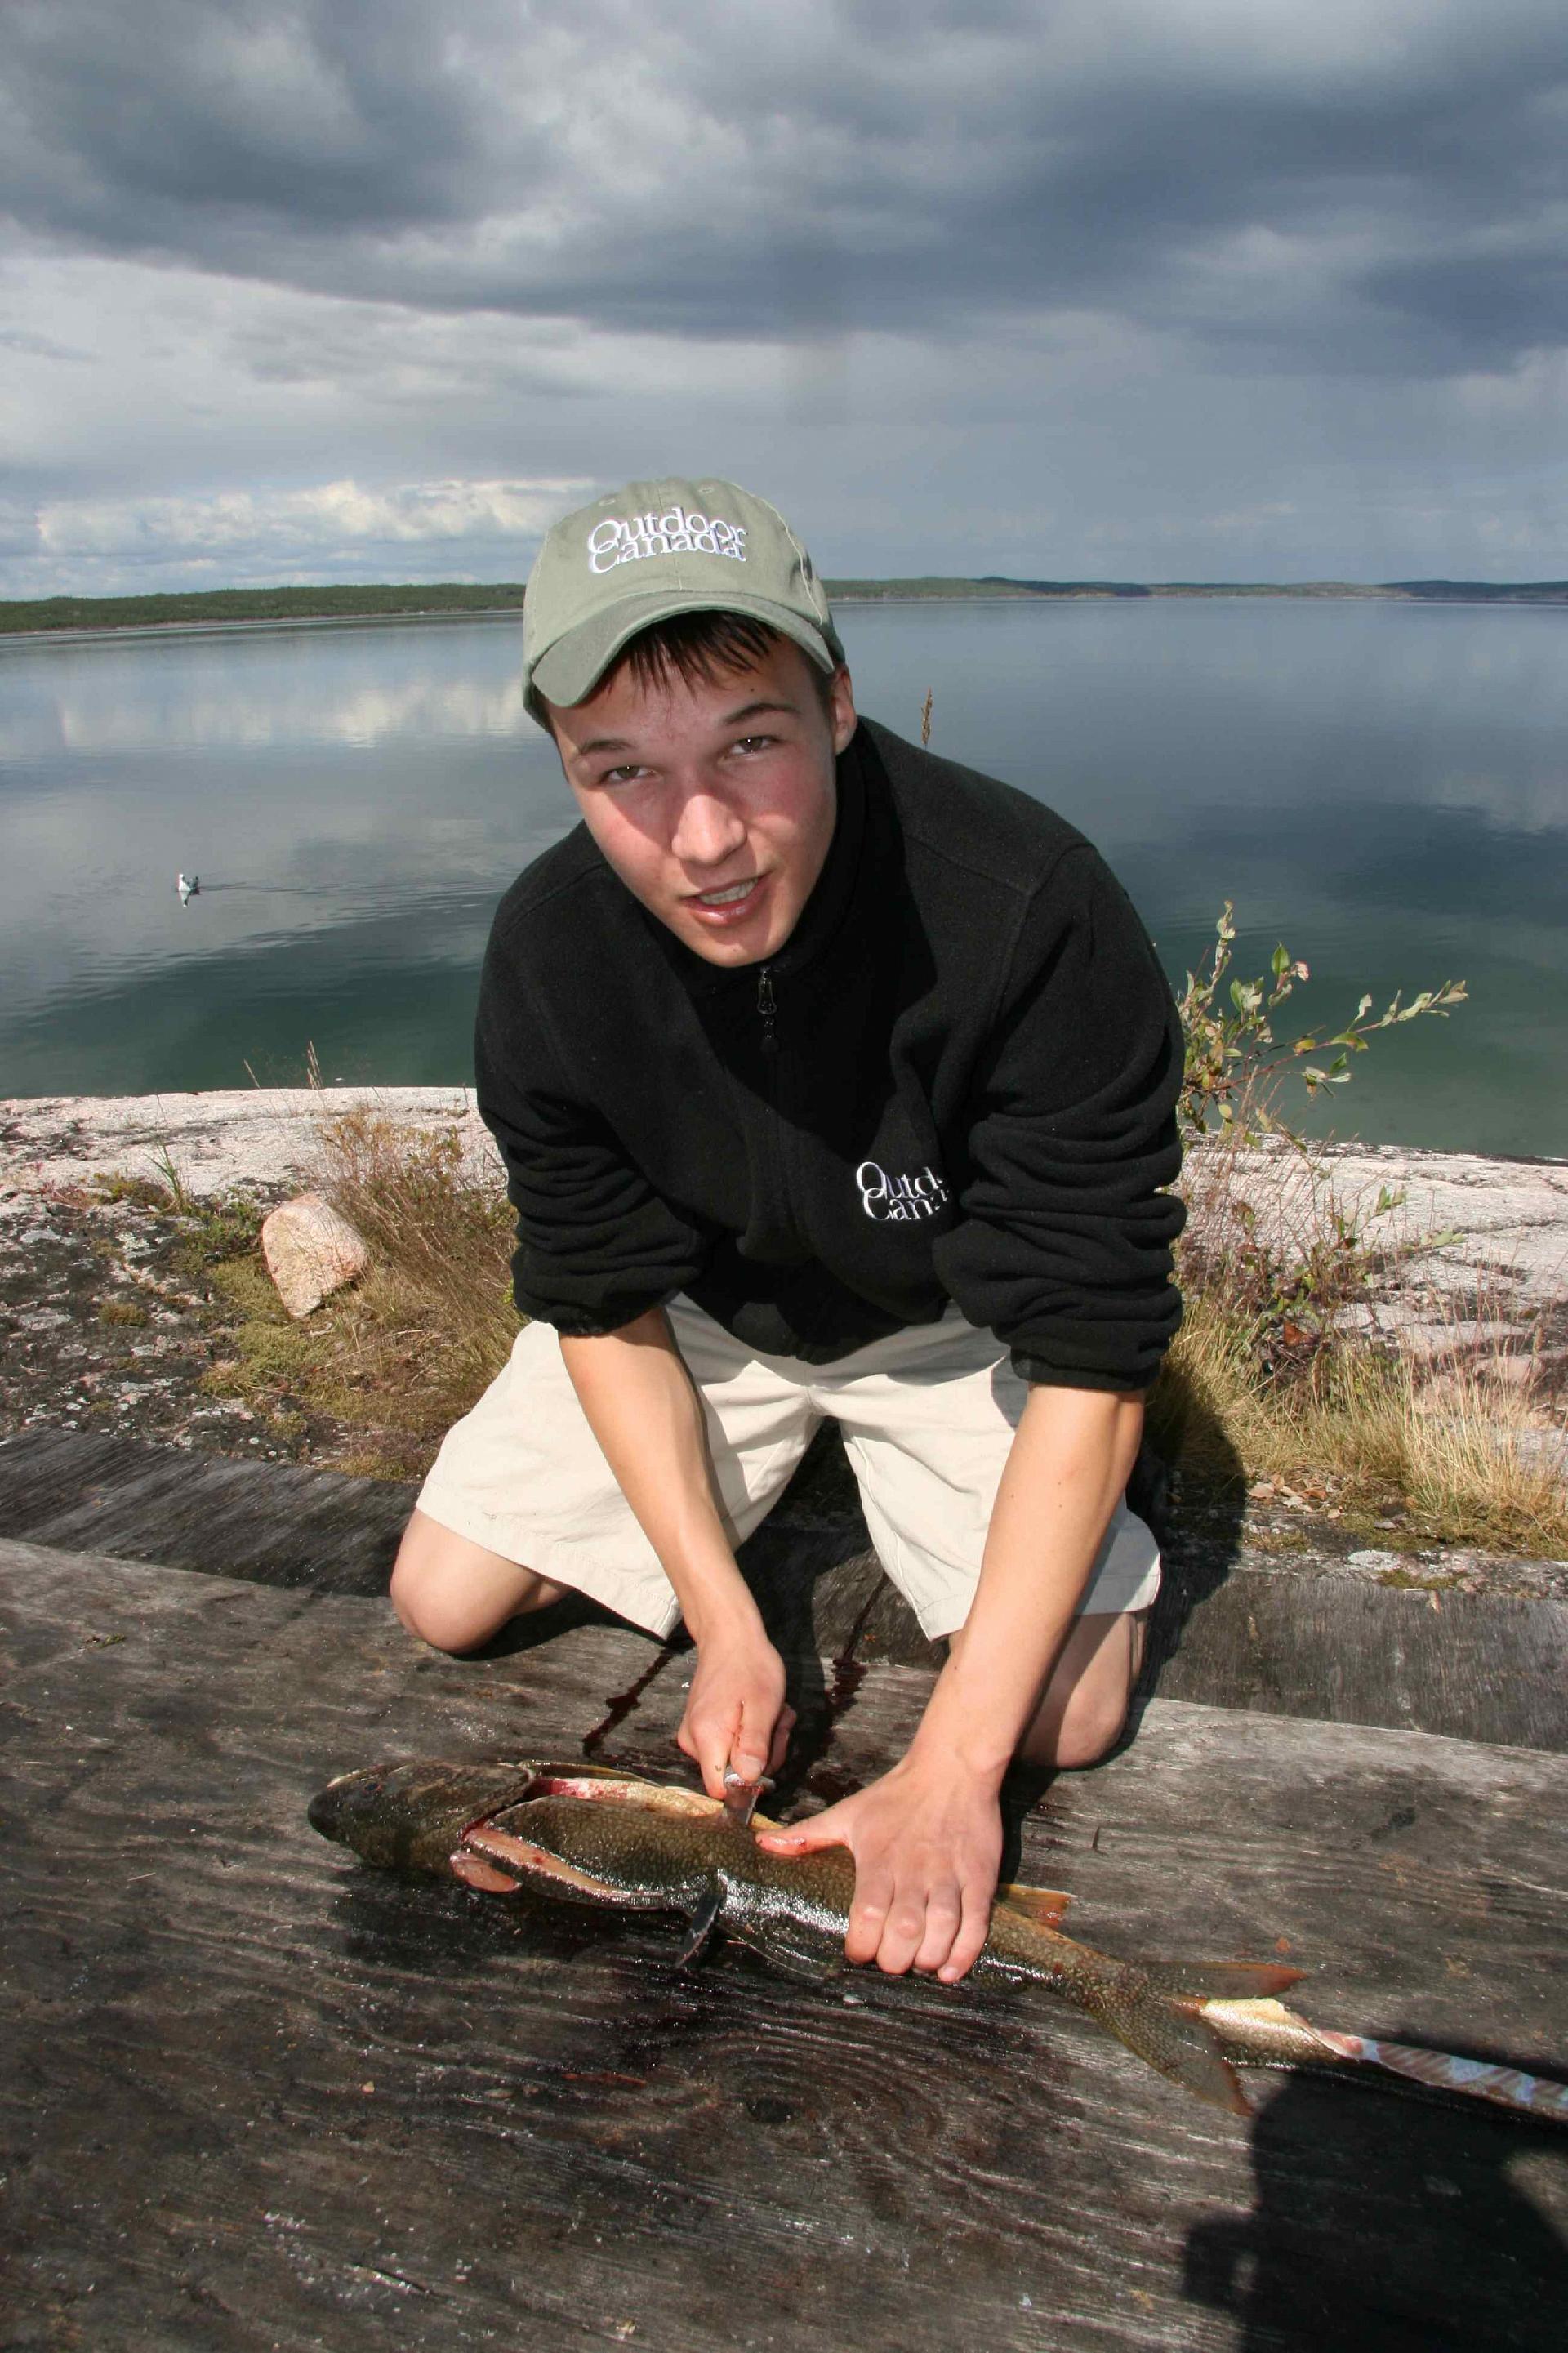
(1472, 1665)
(284, 1524)
(254, 2093)
(274, 1523)
(1476, 1666)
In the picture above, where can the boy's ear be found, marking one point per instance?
(845, 719)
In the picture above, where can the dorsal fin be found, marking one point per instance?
(1044, 1905)
(1199, 1981)
(704, 1920)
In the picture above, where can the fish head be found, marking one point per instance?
(413, 1815)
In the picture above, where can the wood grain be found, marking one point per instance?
(1477, 1667)
(253, 2093)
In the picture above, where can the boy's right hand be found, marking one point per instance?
(735, 1711)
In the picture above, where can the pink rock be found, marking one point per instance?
(310, 1251)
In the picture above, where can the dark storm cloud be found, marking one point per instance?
(1369, 184)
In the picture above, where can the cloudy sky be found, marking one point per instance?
(310, 290)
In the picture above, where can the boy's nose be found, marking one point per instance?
(707, 830)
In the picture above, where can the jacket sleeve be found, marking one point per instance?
(1063, 1244)
(596, 1246)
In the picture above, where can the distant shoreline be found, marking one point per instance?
(223, 609)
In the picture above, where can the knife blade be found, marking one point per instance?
(740, 1795)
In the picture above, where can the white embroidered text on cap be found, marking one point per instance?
(627, 539)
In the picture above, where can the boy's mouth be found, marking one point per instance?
(728, 904)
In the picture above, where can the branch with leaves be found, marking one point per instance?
(1236, 1065)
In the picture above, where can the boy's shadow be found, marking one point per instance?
(1385, 2222)
(1197, 1515)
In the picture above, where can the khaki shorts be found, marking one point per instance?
(927, 1415)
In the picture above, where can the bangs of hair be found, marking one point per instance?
(702, 649)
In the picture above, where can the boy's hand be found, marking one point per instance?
(735, 1712)
(927, 1843)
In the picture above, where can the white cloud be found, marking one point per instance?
(1218, 282)
(298, 525)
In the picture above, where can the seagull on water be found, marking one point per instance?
(188, 886)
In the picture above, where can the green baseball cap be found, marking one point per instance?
(650, 550)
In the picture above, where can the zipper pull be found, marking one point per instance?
(768, 1009)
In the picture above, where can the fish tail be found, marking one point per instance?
(1480, 2079)
(1172, 2036)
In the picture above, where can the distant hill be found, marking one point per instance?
(997, 583)
(214, 608)
(211, 606)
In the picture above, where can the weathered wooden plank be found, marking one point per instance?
(1476, 1666)
(283, 1523)
(255, 2094)
(273, 1522)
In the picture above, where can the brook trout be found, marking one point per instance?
(595, 1836)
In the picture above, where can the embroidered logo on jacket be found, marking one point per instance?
(627, 539)
(899, 1201)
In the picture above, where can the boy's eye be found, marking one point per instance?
(755, 743)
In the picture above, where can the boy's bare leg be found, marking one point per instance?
(454, 1593)
(1087, 1699)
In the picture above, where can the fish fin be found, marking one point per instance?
(704, 1920)
(473, 1873)
(1180, 2046)
(1045, 1904)
(1480, 2079)
(796, 1948)
(1197, 1981)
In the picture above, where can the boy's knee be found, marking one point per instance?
(437, 1616)
(454, 1594)
(1084, 1734)
(1084, 1738)
(1085, 1709)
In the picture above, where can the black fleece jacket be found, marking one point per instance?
(956, 1080)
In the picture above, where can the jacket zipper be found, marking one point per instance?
(768, 1009)
(767, 1012)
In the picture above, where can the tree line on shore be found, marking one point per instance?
(359, 601)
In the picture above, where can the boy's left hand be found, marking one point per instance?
(927, 1843)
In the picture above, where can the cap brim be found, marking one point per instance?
(568, 672)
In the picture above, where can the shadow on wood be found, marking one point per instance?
(254, 2093)
(1346, 2241)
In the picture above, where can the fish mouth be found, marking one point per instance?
(486, 1836)
(495, 1853)
(424, 1814)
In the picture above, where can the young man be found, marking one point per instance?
(829, 1078)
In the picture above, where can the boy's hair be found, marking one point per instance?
(703, 648)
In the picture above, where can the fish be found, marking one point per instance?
(594, 1835)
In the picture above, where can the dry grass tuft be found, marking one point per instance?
(431, 1322)
(1272, 1383)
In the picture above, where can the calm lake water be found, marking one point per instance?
(1383, 786)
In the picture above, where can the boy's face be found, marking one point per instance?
(714, 803)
